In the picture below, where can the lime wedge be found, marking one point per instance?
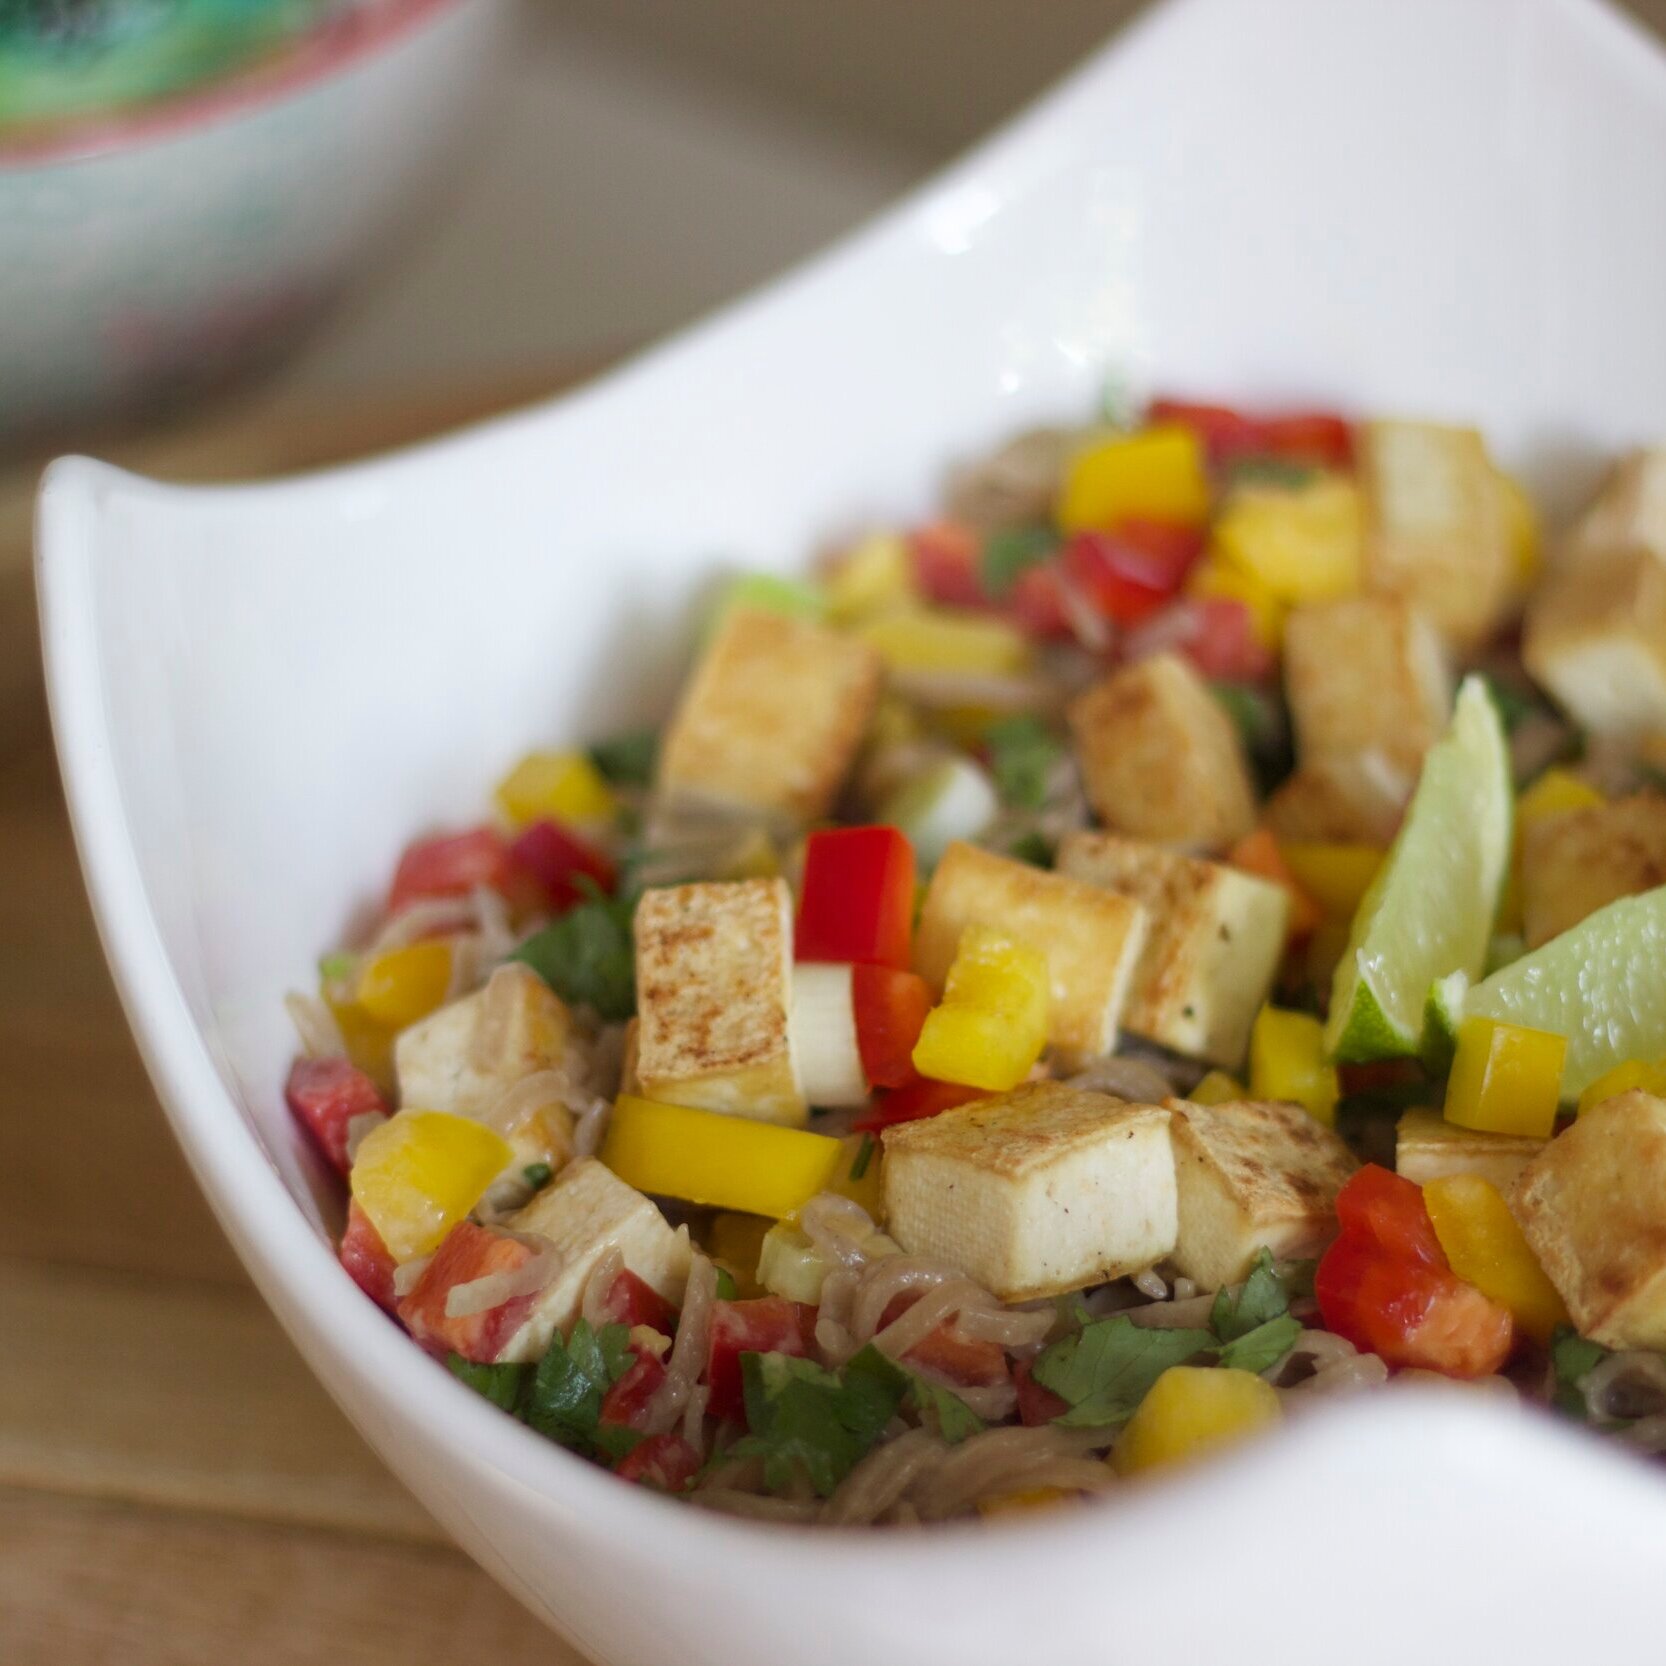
(1430, 910)
(1602, 984)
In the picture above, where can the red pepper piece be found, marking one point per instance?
(1130, 572)
(1036, 1404)
(468, 1253)
(633, 1301)
(626, 1403)
(366, 1258)
(765, 1325)
(665, 1462)
(324, 1096)
(946, 564)
(858, 902)
(1385, 1212)
(452, 866)
(559, 861)
(920, 1099)
(891, 1008)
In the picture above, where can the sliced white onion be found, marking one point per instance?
(481, 1294)
(408, 1274)
(952, 800)
(821, 1034)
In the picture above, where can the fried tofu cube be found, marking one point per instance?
(1092, 938)
(770, 721)
(1595, 639)
(585, 1213)
(1252, 1175)
(1628, 512)
(713, 995)
(1212, 945)
(1436, 534)
(466, 1056)
(1341, 798)
(1042, 1190)
(1428, 1147)
(1593, 1206)
(1161, 758)
(1575, 863)
(1365, 673)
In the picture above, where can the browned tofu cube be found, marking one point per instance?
(1365, 673)
(1428, 1147)
(1341, 798)
(771, 719)
(1578, 862)
(1629, 512)
(1161, 758)
(1593, 1206)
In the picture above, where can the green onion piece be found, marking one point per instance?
(627, 760)
(864, 1156)
(537, 1174)
(727, 1289)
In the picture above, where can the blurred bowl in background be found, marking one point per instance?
(153, 252)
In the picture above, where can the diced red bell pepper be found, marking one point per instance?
(452, 866)
(764, 1325)
(946, 564)
(469, 1252)
(1129, 573)
(633, 1301)
(858, 901)
(1216, 633)
(366, 1258)
(891, 1008)
(972, 1361)
(626, 1401)
(912, 1103)
(1036, 1404)
(324, 1096)
(558, 861)
(665, 1462)
(1385, 1212)
(1225, 433)
(1317, 437)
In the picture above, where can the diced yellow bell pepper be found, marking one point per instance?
(1623, 1078)
(369, 1044)
(399, 986)
(1287, 1061)
(737, 1241)
(939, 639)
(1302, 544)
(1335, 875)
(556, 786)
(1191, 1410)
(421, 1172)
(1554, 793)
(1521, 526)
(1157, 474)
(862, 1150)
(725, 1162)
(872, 576)
(1023, 1501)
(1214, 576)
(1218, 1088)
(1506, 1079)
(992, 1023)
(1486, 1248)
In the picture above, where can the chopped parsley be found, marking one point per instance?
(564, 1400)
(503, 1385)
(1108, 1367)
(1261, 1297)
(1007, 555)
(1022, 753)
(627, 760)
(588, 957)
(955, 1420)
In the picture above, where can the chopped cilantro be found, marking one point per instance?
(537, 1175)
(503, 1385)
(1008, 554)
(616, 1441)
(1257, 1350)
(587, 956)
(1022, 753)
(727, 1289)
(1573, 1358)
(1261, 1297)
(565, 1398)
(955, 1419)
(627, 760)
(864, 1156)
(1105, 1370)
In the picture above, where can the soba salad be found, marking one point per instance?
(1069, 987)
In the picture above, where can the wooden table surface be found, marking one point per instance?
(174, 1487)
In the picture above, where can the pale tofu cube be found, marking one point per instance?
(585, 1213)
(1252, 1175)
(1436, 535)
(713, 995)
(771, 719)
(1043, 1190)
(1593, 1206)
(465, 1058)
(1161, 758)
(1092, 938)
(1342, 798)
(1212, 945)
(1595, 639)
(1576, 863)
(1629, 512)
(1428, 1147)
(1362, 674)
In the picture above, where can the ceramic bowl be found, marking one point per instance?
(160, 250)
(261, 692)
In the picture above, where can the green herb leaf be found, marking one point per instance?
(1256, 1350)
(1108, 1368)
(628, 760)
(341, 967)
(1009, 553)
(1261, 1298)
(1263, 725)
(616, 1441)
(727, 1289)
(565, 1399)
(503, 1385)
(864, 1156)
(955, 1420)
(1271, 471)
(537, 1175)
(588, 956)
(804, 1419)
(1022, 753)
(1573, 1358)
(1031, 848)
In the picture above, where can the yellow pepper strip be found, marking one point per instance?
(1190, 1410)
(1023, 1501)
(556, 786)
(726, 1162)
(1215, 576)
(1486, 1248)
(1634, 1073)
(398, 987)
(1335, 875)
(1555, 793)
(1301, 545)
(369, 1044)
(1287, 1061)
(421, 1172)
(1217, 1088)
(873, 576)
(940, 639)
(1506, 1079)
(992, 1024)
(1521, 526)
(861, 1151)
(1157, 474)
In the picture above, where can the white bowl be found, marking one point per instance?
(261, 692)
